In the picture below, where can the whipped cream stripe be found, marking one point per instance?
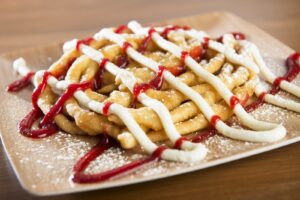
(213, 80)
(258, 136)
(195, 151)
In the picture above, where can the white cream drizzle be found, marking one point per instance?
(268, 132)
(277, 132)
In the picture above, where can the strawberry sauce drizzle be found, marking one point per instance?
(156, 84)
(214, 119)
(25, 126)
(177, 70)
(106, 107)
(125, 46)
(204, 45)
(236, 35)
(39, 89)
(21, 83)
(121, 29)
(234, 101)
(196, 53)
(179, 142)
(244, 100)
(86, 41)
(292, 63)
(26, 123)
(97, 83)
(204, 136)
(142, 48)
(166, 31)
(122, 61)
(104, 144)
(57, 107)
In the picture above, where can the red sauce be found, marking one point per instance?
(80, 177)
(196, 53)
(27, 122)
(21, 83)
(106, 107)
(99, 75)
(57, 107)
(125, 46)
(158, 151)
(234, 101)
(293, 70)
(39, 89)
(105, 143)
(177, 70)
(244, 100)
(179, 142)
(184, 54)
(204, 136)
(292, 64)
(121, 28)
(142, 48)
(256, 104)
(166, 31)
(276, 85)
(155, 83)
(236, 35)
(122, 61)
(139, 88)
(204, 47)
(86, 41)
(214, 119)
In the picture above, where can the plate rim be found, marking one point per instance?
(97, 186)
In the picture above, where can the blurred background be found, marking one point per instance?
(36, 22)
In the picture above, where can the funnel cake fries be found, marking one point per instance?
(144, 85)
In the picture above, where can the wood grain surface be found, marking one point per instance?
(273, 175)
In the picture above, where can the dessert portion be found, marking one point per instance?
(135, 85)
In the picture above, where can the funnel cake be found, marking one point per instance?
(144, 85)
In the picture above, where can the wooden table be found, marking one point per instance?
(275, 174)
